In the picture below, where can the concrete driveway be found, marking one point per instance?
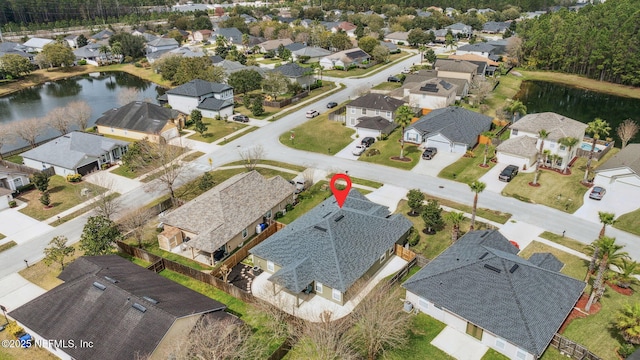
(388, 195)
(619, 203)
(434, 166)
(346, 152)
(17, 291)
(19, 227)
(117, 183)
(491, 179)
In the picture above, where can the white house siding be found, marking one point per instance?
(228, 111)
(455, 75)
(509, 159)
(425, 101)
(38, 165)
(326, 64)
(184, 104)
(367, 132)
(4, 201)
(550, 145)
(170, 134)
(413, 136)
(445, 145)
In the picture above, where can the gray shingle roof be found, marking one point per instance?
(227, 209)
(546, 261)
(455, 123)
(557, 125)
(103, 34)
(295, 46)
(398, 35)
(377, 102)
(79, 310)
(231, 34)
(138, 116)
(477, 47)
(332, 245)
(312, 51)
(376, 123)
(292, 70)
(212, 103)
(69, 150)
(627, 157)
(455, 66)
(274, 44)
(37, 43)
(198, 87)
(163, 42)
(434, 86)
(524, 146)
(477, 279)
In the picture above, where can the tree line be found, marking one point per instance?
(600, 42)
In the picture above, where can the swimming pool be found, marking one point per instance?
(587, 147)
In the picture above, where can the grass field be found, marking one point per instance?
(236, 136)
(363, 72)
(217, 129)
(307, 201)
(423, 330)
(582, 82)
(565, 241)
(387, 86)
(573, 266)
(467, 169)
(81, 211)
(492, 215)
(391, 148)
(272, 163)
(629, 222)
(32, 353)
(319, 135)
(46, 276)
(8, 245)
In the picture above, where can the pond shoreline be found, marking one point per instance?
(581, 83)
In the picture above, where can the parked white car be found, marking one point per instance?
(359, 150)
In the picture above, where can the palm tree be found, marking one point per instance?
(104, 49)
(455, 218)
(606, 219)
(569, 142)
(488, 135)
(628, 323)
(116, 49)
(542, 134)
(609, 254)
(546, 156)
(627, 275)
(404, 115)
(476, 187)
(516, 108)
(596, 128)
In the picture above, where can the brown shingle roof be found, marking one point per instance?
(524, 146)
(627, 157)
(455, 66)
(557, 125)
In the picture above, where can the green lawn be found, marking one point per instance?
(387, 86)
(194, 155)
(629, 222)
(359, 181)
(63, 196)
(2, 236)
(362, 72)
(493, 215)
(268, 111)
(154, 248)
(468, 169)
(423, 330)
(319, 135)
(507, 89)
(565, 241)
(128, 173)
(494, 355)
(7, 245)
(272, 163)
(217, 129)
(236, 136)
(308, 199)
(17, 159)
(573, 266)
(318, 94)
(81, 211)
(391, 148)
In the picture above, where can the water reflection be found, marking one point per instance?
(63, 88)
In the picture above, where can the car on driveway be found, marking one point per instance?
(429, 153)
(241, 118)
(332, 104)
(312, 113)
(368, 141)
(508, 173)
(359, 150)
(597, 193)
(394, 79)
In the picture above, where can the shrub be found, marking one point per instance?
(383, 137)
(303, 59)
(278, 215)
(13, 203)
(45, 199)
(128, 59)
(626, 349)
(82, 62)
(338, 67)
(74, 178)
(103, 167)
(400, 42)
(138, 65)
(14, 329)
(372, 152)
(24, 188)
(289, 207)
(413, 237)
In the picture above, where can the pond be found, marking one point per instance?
(99, 90)
(582, 105)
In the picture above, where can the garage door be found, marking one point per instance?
(368, 132)
(440, 145)
(84, 170)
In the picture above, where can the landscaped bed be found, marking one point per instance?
(468, 169)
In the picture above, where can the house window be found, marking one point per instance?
(111, 129)
(318, 287)
(388, 114)
(500, 344)
(363, 111)
(563, 148)
(377, 112)
(423, 304)
(353, 110)
(245, 232)
(514, 131)
(521, 355)
(268, 214)
(382, 257)
(336, 295)
(552, 145)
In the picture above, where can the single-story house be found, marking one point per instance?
(481, 49)
(295, 46)
(227, 215)
(621, 173)
(162, 44)
(434, 93)
(397, 37)
(72, 40)
(462, 85)
(192, 95)
(458, 69)
(495, 27)
(109, 308)
(91, 54)
(273, 44)
(374, 126)
(232, 36)
(451, 129)
(393, 48)
(201, 35)
(102, 35)
(345, 59)
(371, 104)
(297, 74)
(12, 177)
(314, 53)
(326, 250)
(35, 45)
(141, 120)
(460, 29)
(8, 47)
(481, 287)
(75, 153)
(556, 125)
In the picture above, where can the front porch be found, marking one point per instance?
(312, 306)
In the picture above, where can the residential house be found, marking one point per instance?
(102, 35)
(314, 53)
(35, 45)
(481, 287)
(12, 178)
(393, 48)
(495, 27)
(345, 26)
(411, 80)
(75, 153)
(297, 74)
(370, 105)
(295, 46)
(458, 69)
(109, 308)
(328, 249)
(141, 120)
(72, 40)
(227, 215)
(556, 125)
(473, 58)
(272, 45)
(621, 173)
(248, 19)
(420, 13)
(460, 29)
(481, 49)
(232, 36)
(374, 126)
(190, 96)
(346, 59)
(432, 94)
(201, 35)
(92, 54)
(451, 129)
(162, 44)
(8, 47)
(500, 46)
(441, 35)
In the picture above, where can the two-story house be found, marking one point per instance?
(482, 49)
(523, 145)
(297, 74)
(210, 98)
(460, 30)
(379, 106)
(434, 93)
(162, 44)
(457, 69)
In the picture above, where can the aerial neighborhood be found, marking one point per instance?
(302, 180)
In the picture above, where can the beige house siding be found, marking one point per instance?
(177, 334)
(135, 135)
(237, 240)
(262, 264)
(455, 75)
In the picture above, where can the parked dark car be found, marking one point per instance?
(429, 153)
(368, 141)
(508, 173)
(241, 118)
(597, 193)
(393, 79)
(332, 104)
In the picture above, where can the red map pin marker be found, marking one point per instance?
(340, 195)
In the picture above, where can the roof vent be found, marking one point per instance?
(485, 234)
(112, 280)
(514, 268)
(325, 215)
(483, 255)
(139, 307)
(320, 228)
(492, 268)
(99, 286)
(340, 217)
(150, 299)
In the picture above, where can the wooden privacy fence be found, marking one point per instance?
(404, 271)
(284, 102)
(404, 253)
(572, 349)
(235, 258)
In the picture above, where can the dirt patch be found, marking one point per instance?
(398, 158)
(534, 185)
(578, 311)
(620, 290)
